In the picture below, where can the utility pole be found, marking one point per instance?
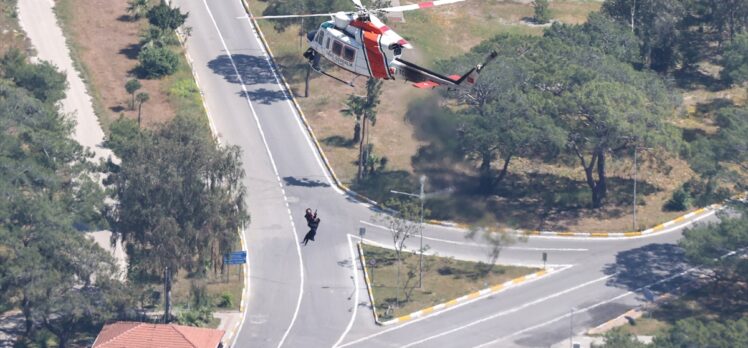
(571, 329)
(635, 169)
(167, 295)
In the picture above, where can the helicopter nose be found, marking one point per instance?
(310, 35)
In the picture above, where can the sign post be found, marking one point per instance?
(545, 258)
(235, 258)
(373, 263)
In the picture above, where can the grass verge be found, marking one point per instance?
(444, 279)
(64, 13)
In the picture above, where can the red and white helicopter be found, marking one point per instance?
(360, 43)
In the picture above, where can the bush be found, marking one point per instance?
(542, 13)
(156, 62)
(225, 301)
(165, 17)
(681, 200)
(43, 80)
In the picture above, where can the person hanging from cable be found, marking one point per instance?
(312, 229)
(309, 216)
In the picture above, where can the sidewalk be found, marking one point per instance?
(38, 20)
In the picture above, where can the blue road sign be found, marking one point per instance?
(235, 258)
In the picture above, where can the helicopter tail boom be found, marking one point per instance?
(425, 78)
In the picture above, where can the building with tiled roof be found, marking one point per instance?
(124, 334)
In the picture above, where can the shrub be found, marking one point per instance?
(225, 301)
(542, 13)
(681, 200)
(156, 62)
(165, 17)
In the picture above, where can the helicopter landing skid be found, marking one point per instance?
(318, 70)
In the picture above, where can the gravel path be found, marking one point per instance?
(40, 24)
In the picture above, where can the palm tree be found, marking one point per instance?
(131, 87)
(141, 98)
(137, 8)
(365, 110)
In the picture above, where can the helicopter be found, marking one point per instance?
(361, 43)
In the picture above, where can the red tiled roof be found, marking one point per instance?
(146, 335)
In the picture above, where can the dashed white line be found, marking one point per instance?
(275, 169)
(481, 245)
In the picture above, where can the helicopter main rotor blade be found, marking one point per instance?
(417, 6)
(358, 4)
(294, 16)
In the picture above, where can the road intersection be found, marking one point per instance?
(315, 296)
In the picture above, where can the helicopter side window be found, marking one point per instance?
(337, 48)
(320, 36)
(327, 43)
(349, 54)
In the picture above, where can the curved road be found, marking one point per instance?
(314, 296)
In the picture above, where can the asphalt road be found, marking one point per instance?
(314, 296)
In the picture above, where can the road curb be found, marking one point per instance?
(230, 334)
(451, 303)
(362, 198)
(362, 259)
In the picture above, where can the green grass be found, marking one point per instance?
(444, 279)
(182, 91)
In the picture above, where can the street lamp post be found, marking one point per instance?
(635, 169)
(571, 328)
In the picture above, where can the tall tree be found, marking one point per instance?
(656, 23)
(735, 60)
(364, 108)
(47, 267)
(165, 17)
(180, 197)
(601, 32)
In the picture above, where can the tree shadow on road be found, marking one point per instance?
(650, 264)
(304, 182)
(252, 70)
(264, 96)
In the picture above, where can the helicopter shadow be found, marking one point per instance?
(252, 70)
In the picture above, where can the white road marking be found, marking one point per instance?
(435, 314)
(355, 292)
(307, 136)
(480, 245)
(509, 311)
(275, 169)
(585, 309)
(674, 228)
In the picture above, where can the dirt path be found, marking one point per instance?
(40, 24)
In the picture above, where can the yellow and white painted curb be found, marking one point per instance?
(365, 199)
(229, 335)
(469, 297)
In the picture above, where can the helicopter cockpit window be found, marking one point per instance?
(337, 48)
(320, 36)
(349, 54)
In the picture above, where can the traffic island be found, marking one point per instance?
(446, 282)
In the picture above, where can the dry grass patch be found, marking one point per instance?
(216, 285)
(11, 34)
(105, 41)
(444, 279)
